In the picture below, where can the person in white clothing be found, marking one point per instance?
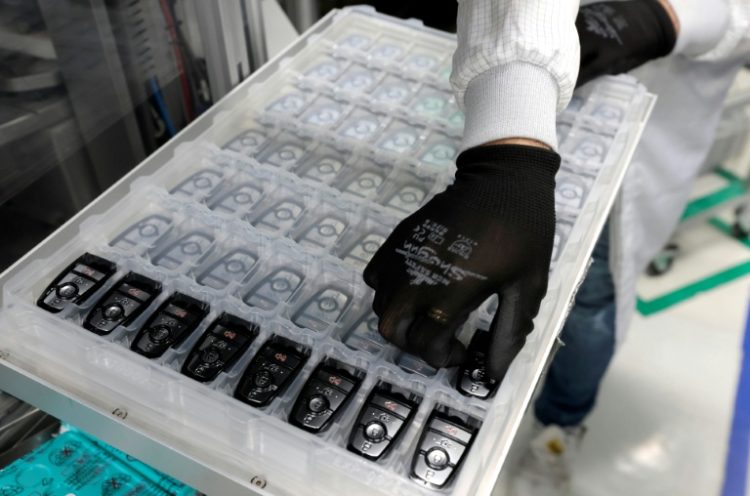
(515, 68)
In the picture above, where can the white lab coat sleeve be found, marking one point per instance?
(515, 67)
(711, 29)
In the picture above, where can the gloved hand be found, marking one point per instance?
(617, 37)
(490, 232)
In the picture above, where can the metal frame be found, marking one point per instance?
(256, 32)
(222, 32)
(233, 34)
(303, 12)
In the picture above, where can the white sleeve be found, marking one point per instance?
(515, 67)
(711, 29)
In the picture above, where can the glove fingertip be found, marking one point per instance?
(370, 276)
(436, 343)
(378, 305)
(496, 370)
(504, 347)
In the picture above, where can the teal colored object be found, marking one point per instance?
(74, 464)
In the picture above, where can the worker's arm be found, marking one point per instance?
(711, 29)
(515, 67)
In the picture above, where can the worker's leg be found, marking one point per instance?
(572, 383)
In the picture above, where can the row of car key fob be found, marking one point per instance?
(180, 315)
(383, 418)
(218, 348)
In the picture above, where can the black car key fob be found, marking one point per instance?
(385, 415)
(174, 320)
(219, 347)
(472, 377)
(325, 395)
(76, 283)
(446, 438)
(272, 369)
(122, 304)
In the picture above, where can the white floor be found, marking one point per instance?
(664, 415)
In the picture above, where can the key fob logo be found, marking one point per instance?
(281, 357)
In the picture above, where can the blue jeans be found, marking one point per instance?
(572, 383)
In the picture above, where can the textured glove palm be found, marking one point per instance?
(617, 37)
(491, 232)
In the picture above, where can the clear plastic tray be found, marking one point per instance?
(271, 215)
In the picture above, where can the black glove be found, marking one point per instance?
(617, 37)
(491, 232)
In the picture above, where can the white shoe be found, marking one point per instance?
(545, 468)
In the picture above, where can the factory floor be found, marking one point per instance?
(669, 420)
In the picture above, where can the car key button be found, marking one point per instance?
(391, 405)
(263, 379)
(389, 421)
(452, 449)
(67, 291)
(317, 403)
(113, 311)
(451, 430)
(435, 478)
(361, 444)
(437, 458)
(375, 431)
(211, 355)
(478, 375)
(333, 395)
(160, 334)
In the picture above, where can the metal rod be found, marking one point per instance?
(255, 32)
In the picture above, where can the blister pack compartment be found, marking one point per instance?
(256, 235)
